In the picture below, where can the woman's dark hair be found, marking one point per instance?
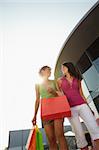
(43, 68)
(72, 70)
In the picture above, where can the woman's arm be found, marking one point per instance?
(36, 104)
(58, 85)
(56, 91)
(81, 91)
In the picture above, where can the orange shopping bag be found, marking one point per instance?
(55, 108)
(31, 142)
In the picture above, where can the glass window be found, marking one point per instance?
(96, 64)
(84, 63)
(91, 78)
(93, 50)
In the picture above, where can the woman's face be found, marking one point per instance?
(46, 73)
(64, 69)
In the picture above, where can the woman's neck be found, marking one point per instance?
(45, 80)
(68, 76)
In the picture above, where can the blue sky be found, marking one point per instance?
(31, 34)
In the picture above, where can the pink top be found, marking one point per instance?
(72, 92)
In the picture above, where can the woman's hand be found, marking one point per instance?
(59, 93)
(52, 91)
(34, 121)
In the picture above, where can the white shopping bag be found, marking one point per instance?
(29, 138)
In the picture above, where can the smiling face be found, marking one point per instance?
(64, 69)
(45, 72)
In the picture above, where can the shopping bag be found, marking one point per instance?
(55, 108)
(39, 140)
(31, 142)
(35, 140)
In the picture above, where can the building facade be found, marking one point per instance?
(82, 48)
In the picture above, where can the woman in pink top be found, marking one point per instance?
(70, 84)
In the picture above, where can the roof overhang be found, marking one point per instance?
(82, 36)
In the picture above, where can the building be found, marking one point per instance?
(82, 48)
(18, 139)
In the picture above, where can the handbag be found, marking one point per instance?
(55, 108)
